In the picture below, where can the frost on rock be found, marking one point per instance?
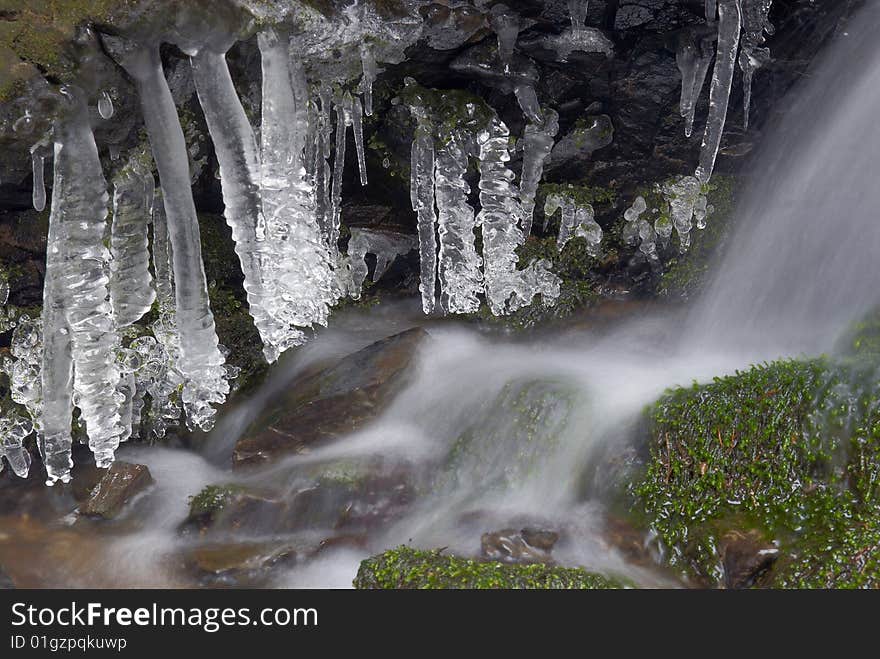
(384, 245)
(693, 56)
(200, 360)
(507, 289)
(576, 221)
(755, 22)
(729, 24)
(579, 37)
(131, 290)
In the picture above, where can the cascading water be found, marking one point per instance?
(798, 268)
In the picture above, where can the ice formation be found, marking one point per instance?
(39, 193)
(694, 56)
(729, 24)
(384, 245)
(631, 220)
(685, 197)
(579, 37)
(755, 22)
(105, 105)
(537, 144)
(506, 25)
(200, 360)
(131, 290)
(463, 273)
(576, 220)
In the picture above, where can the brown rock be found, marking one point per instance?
(218, 559)
(120, 483)
(332, 402)
(512, 546)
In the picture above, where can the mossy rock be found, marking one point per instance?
(408, 568)
(862, 338)
(790, 449)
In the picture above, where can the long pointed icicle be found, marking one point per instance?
(459, 264)
(239, 161)
(537, 144)
(756, 21)
(371, 70)
(201, 362)
(693, 61)
(357, 126)
(39, 192)
(131, 292)
(79, 211)
(343, 120)
(729, 25)
(324, 135)
(422, 198)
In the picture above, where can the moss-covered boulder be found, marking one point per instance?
(409, 568)
(787, 453)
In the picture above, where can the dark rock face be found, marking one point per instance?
(118, 486)
(334, 401)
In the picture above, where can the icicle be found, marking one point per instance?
(343, 120)
(25, 388)
(710, 10)
(459, 264)
(693, 62)
(422, 199)
(588, 229)
(507, 289)
(239, 162)
(163, 354)
(648, 245)
(576, 221)
(371, 71)
(105, 105)
(131, 292)
(39, 193)
(506, 25)
(301, 268)
(324, 134)
(200, 360)
(537, 144)
(729, 23)
(357, 124)
(577, 9)
(756, 21)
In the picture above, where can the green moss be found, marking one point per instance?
(211, 501)
(791, 448)
(452, 109)
(580, 194)
(409, 568)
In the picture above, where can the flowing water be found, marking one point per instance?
(798, 269)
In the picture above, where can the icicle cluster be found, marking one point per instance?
(578, 220)
(463, 273)
(741, 26)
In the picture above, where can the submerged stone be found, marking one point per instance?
(335, 401)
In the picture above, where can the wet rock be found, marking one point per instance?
(119, 485)
(590, 134)
(332, 402)
(239, 564)
(746, 556)
(229, 507)
(523, 546)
